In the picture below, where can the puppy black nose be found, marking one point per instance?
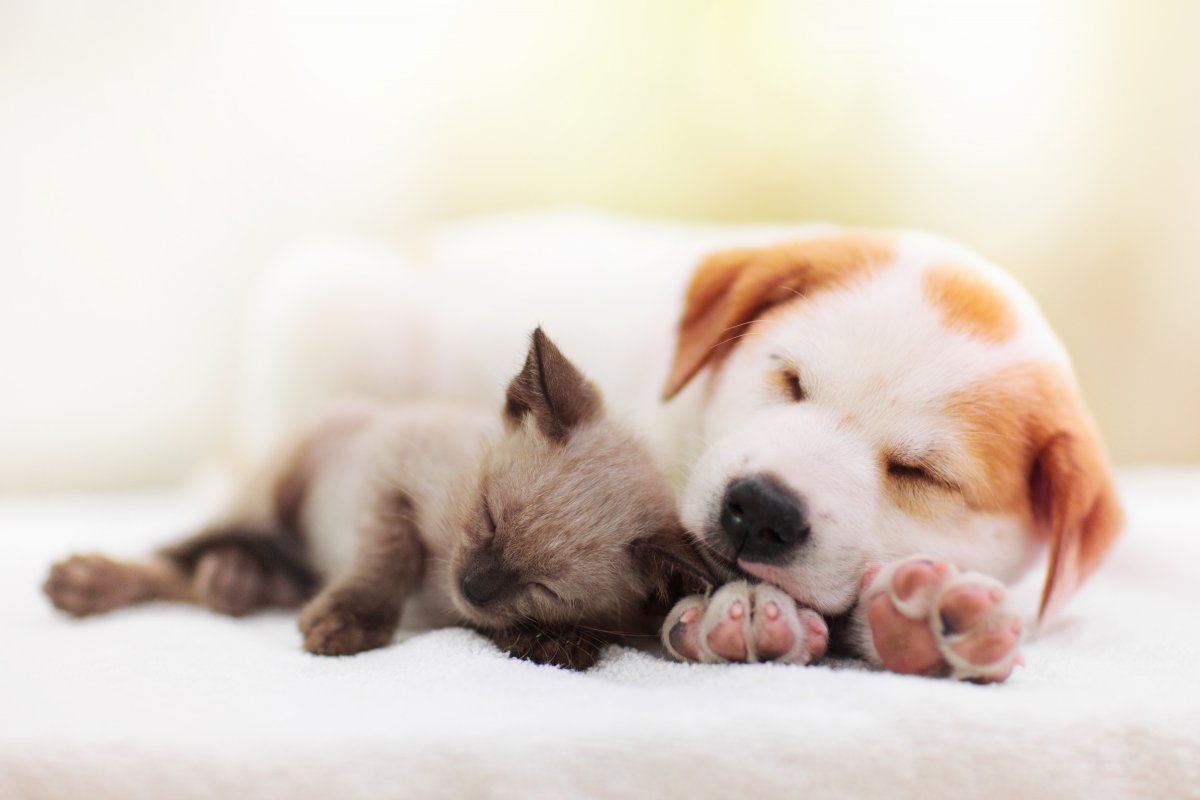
(763, 519)
(485, 580)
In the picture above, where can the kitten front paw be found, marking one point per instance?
(342, 623)
(568, 648)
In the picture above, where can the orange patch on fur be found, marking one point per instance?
(970, 304)
(1036, 454)
(732, 289)
(995, 419)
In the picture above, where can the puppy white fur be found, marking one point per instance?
(905, 397)
(905, 393)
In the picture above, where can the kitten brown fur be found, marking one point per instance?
(549, 526)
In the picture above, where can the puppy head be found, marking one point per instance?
(870, 397)
(573, 521)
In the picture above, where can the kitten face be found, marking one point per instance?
(572, 522)
(556, 530)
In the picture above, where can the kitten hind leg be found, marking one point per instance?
(86, 584)
(237, 569)
(230, 570)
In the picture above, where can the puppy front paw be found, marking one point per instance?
(342, 623)
(744, 622)
(928, 618)
(93, 584)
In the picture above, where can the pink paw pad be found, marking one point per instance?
(727, 638)
(773, 636)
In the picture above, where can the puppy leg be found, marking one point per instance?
(361, 610)
(744, 622)
(921, 616)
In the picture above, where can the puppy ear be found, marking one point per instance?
(1075, 504)
(707, 315)
(551, 389)
(674, 567)
(732, 289)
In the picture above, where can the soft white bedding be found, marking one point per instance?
(172, 702)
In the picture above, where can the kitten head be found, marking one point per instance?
(573, 524)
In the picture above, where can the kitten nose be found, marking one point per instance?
(763, 519)
(486, 579)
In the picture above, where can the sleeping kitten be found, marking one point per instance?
(554, 532)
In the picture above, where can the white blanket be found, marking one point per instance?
(173, 702)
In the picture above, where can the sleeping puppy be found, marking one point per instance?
(554, 535)
(880, 427)
(893, 434)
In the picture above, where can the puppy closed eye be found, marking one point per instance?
(917, 474)
(787, 382)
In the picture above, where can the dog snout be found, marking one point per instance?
(486, 579)
(763, 519)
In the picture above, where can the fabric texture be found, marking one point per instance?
(168, 701)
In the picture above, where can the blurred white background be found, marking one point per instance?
(156, 157)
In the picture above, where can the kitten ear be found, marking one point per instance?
(674, 566)
(551, 389)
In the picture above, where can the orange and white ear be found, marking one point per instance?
(1075, 504)
(733, 288)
